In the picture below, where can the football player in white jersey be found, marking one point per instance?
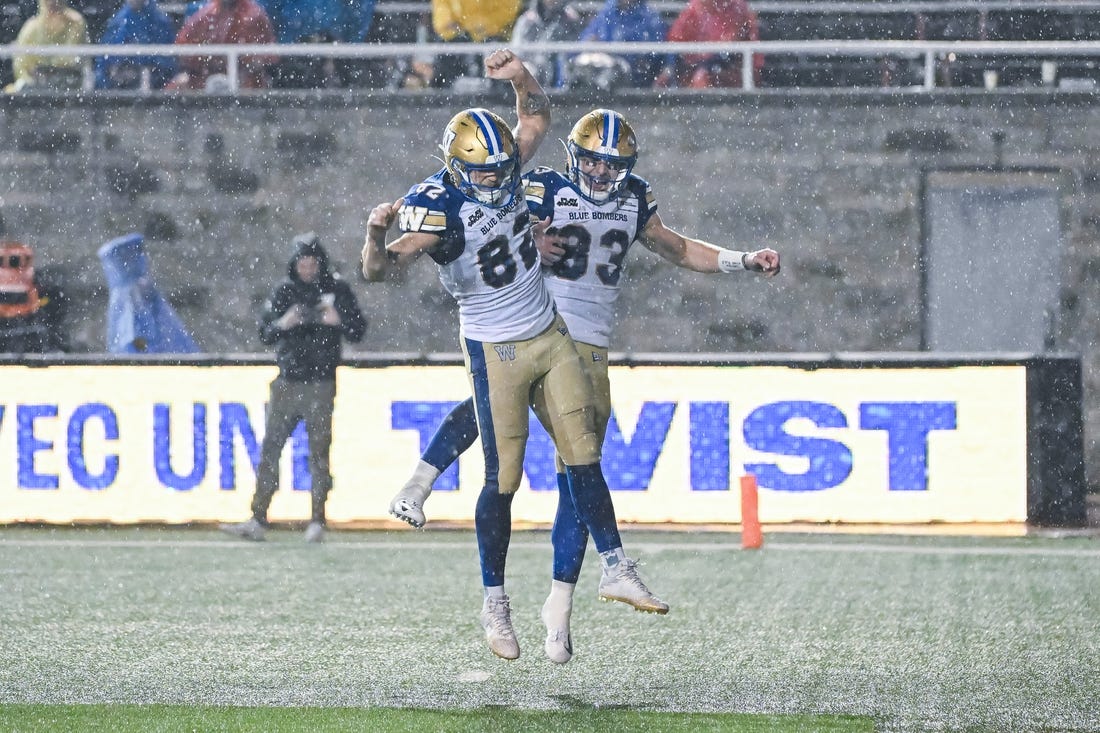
(596, 211)
(472, 219)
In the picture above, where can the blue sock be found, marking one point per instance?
(455, 434)
(493, 521)
(592, 500)
(569, 536)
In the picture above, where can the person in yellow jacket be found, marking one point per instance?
(476, 20)
(55, 24)
(460, 21)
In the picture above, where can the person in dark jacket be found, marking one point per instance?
(548, 20)
(306, 318)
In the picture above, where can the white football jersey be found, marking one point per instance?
(487, 260)
(585, 282)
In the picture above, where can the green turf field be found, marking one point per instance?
(378, 631)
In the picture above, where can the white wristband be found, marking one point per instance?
(730, 260)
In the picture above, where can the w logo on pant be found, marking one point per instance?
(506, 352)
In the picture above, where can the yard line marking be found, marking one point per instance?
(642, 546)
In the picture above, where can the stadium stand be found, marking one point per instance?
(895, 20)
(937, 20)
(396, 21)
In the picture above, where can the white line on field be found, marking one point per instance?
(645, 547)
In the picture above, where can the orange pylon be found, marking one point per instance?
(752, 536)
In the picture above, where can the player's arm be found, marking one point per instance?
(532, 104)
(377, 256)
(700, 256)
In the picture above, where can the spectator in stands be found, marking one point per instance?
(461, 21)
(307, 318)
(307, 21)
(137, 22)
(548, 20)
(32, 307)
(55, 24)
(632, 21)
(225, 22)
(711, 20)
(192, 7)
(316, 21)
(380, 71)
(96, 14)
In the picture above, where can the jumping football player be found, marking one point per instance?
(473, 220)
(597, 210)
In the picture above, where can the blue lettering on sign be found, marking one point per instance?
(162, 441)
(301, 479)
(27, 445)
(234, 421)
(830, 461)
(907, 425)
(709, 441)
(538, 460)
(424, 418)
(77, 464)
(629, 465)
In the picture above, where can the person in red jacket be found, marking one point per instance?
(225, 21)
(712, 20)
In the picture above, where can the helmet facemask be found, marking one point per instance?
(600, 155)
(476, 145)
(597, 185)
(468, 178)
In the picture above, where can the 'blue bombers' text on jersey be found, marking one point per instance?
(487, 260)
(585, 281)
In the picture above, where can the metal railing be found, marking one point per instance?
(929, 51)
(672, 7)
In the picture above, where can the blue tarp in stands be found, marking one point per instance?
(139, 319)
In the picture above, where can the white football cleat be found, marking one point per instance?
(408, 504)
(496, 619)
(621, 583)
(250, 530)
(559, 642)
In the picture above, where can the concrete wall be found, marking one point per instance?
(831, 179)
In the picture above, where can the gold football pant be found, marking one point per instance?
(543, 373)
(594, 361)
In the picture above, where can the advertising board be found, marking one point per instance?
(138, 443)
